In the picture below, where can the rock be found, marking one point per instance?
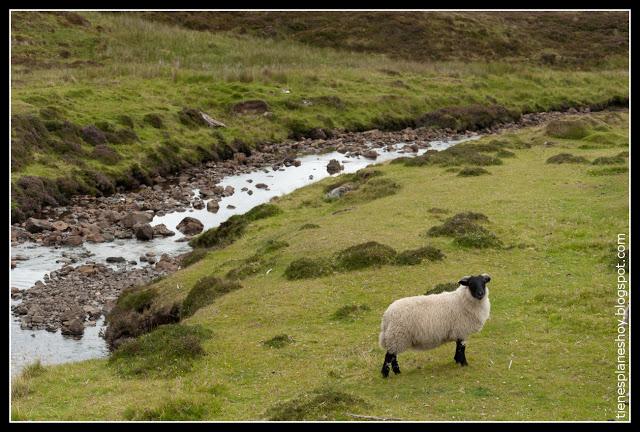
(370, 154)
(198, 204)
(95, 238)
(334, 167)
(75, 327)
(190, 226)
(228, 191)
(87, 269)
(143, 231)
(20, 257)
(213, 206)
(231, 207)
(135, 218)
(340, 191)
(34, 225)
(297, 163)
(118, 259)
(317, 133)
(72, 240)
(166, 265)
(60, 226)
(261, 186)
(240, 158)
(162, 231)
(250, 192)
(16, 293)
(250, 107)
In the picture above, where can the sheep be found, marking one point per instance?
(426, 322)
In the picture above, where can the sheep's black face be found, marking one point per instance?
(477, 285)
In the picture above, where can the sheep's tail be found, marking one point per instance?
(381, 339)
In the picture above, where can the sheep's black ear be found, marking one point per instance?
(486, 277)
(464, 281)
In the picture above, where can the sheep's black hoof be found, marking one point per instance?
(385, 371)
(396, 369)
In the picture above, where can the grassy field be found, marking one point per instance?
(279, 348)
(96, 98)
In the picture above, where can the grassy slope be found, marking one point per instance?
(123, 65)
(433, 36)
(551, 315)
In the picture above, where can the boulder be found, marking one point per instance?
(190, 226)
(370, 154)
(72, 240)
(34, 225)
(115, 259)
(60, 226)
(340, 191)
(75, 327)
(228, 191)
(262, 186)
(334, 167)
(143, 231)
(162, 231)
(250, 107)
(135, 218)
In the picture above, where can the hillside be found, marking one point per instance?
(103, 102)
(583, 39)
(284, 343)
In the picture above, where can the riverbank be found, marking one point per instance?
(560, 230)
(104, 102)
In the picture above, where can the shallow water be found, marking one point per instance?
(53, 348)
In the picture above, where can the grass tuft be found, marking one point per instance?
(567, 158)
(350, 312)
(306, 268)
(369, 254)
(472, 172)
(204, 292)
(173, 410)
(165, 352)
(279, 341)
(415, 256)
(320, 404)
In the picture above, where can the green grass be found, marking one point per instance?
(134, 80)
(566, 220)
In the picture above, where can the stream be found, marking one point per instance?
(52, 348)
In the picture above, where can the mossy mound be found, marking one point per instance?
(306, 268)
(567, 158)
(204, 292)
(369, 254)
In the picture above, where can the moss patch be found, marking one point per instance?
(567, 158)
(350, 312)
(472, 172)
(279, 341)
(415, 256)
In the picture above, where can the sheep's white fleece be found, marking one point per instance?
(427, 321)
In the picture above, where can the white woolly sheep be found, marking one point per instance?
(427, 321)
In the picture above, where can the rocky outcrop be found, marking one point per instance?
(334, 167)
(143, 232)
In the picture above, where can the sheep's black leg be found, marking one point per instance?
(388, 359)
(394, 364)
(460, 356)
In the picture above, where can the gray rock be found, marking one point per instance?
(334, 167)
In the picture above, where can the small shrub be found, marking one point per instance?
(442, 287)
(93, 135)
(415, 256)
(374, 189)
(191, 117)
(106, 154)
(231, 229)
(193, 257)
(204, 292)
(608, 171)
(566, 158)
(154, 120)
(479, 238)
(472, 172)
(279, 341)
(19, 387)
(273, 245)
(305, 268)
(249, 267)
(165, 352)
(458, 224)
(309, 226)
(613, 160)
(365, 255)
(137, 300)
(567, 129)
(505, 154)
(174, 410)
(349, 312)
(320, 404)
